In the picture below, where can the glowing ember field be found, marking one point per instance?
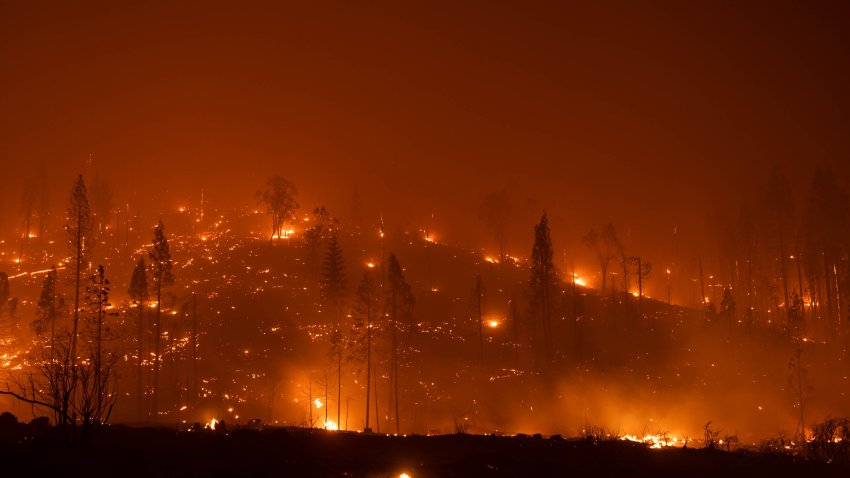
(629, 369)
(406, 239)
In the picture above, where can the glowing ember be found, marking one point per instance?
(655, 441)
(492, 324)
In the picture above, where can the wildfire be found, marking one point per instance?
(318, 403)
(656, 441)
(330, 425)
(493, 324)
(212, 423)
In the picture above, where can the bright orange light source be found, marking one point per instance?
(492, 324)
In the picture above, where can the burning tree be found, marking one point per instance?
(334, 288)
(161, 276)
(279, 198)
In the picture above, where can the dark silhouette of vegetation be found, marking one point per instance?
(279, 198)
(605, 246)
(399, 310)
(161, 276)
(542, 286)
(138, 293)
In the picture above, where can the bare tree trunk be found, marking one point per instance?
(156, 359)
(194, 351)
(368, 348)
(139, 392)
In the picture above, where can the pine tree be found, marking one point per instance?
(399, 310)
(96, 399)
(79, 230)
(138, 292)
(47, 308)
(542, 284)
(334, 287)
(365, 307)
(161, 276)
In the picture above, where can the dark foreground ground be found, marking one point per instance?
(122, 451)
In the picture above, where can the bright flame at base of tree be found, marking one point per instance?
(212, 423)
(330, 425)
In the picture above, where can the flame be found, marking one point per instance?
(656, 441)
(318, 403)
(212, 423)
(330, 425)
(492, 324)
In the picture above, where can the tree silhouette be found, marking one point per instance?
(279, 198)
(334, 288)
(478, 294)
(322, 225)
(47, 307)
(161, 276)
(4, 290)
(79, 230)
(28, 204)
(606, 246)
(97, 378)
(399, 310)
(542, 284)
(138, 293)
(365, 307)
